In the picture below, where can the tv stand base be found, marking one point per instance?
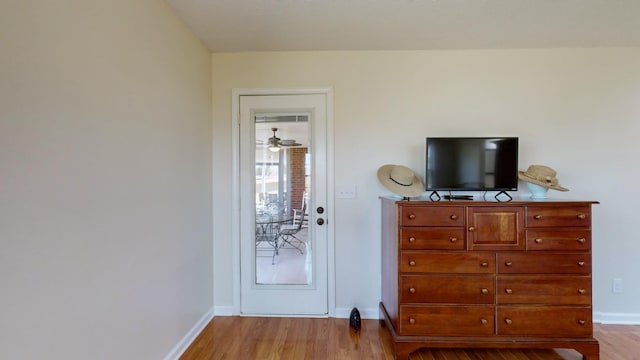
(497, 197)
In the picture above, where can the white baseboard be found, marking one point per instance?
(183, 344)
(616, 318)
(341, 313)
(370, 313)
(223, 311)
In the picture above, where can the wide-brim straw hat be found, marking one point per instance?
(400, 180)
(541, 175)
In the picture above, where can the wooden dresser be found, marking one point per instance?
(464, 274)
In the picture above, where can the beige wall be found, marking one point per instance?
(105, 180)
(576, 110)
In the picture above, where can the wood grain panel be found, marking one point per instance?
(559, 239)
(447, 263)
(447, 289)
(432, 216)
(559, 290)
(544, 321)
(440, 238)
(537, 263)
(559, 216)
(496, 227)
(447, 320)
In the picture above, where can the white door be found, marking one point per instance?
(283, 204)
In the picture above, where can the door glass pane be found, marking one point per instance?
(283, 252)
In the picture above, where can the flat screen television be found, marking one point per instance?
(472, 164)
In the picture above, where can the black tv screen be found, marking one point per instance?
(464, 163)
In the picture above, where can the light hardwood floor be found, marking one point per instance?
(275, 338)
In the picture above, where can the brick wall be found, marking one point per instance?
(297, 180)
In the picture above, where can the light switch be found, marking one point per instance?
(346, 191)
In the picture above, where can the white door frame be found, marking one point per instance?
(235, 188)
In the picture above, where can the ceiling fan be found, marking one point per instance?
(275, 143)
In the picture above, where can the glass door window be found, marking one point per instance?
(282, 172)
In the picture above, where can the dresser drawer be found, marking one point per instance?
(558, 216)
(423, 238)
(447, 263)
(447, 320)
(432, 216)
(566, 321)
(559, 290)
(540, 263)
(562, 239)
(447, 289)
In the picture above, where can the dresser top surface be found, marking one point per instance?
(485, 201)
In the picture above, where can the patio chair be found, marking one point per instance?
(288, 232)
(267, 234)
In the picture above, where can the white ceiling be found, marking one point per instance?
(280, 25)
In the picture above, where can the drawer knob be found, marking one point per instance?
(581, 263)
(412, 263)
(484, 264)
(537, 217)
(581, 240)
(471, 228)
(508, 263)
(508, 321)
(508, 291)
(412, 239)
(581, 216)
(453, 239)
(484, 291)
(538, 240)
(581, 322)
(412, 290)
(412, 321)
(582, 291)
(412, 216)
(453, 217)
(483, 321)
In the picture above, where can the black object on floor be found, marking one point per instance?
(354, 320)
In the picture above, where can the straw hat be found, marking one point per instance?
(400, 180)
(541, 175)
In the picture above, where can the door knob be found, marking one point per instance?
(320, 221)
